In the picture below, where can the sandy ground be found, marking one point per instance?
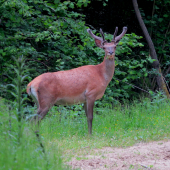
(142, 156)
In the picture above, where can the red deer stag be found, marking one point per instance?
(84, 84)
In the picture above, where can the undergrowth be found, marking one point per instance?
(122, 126)
(26, 153)
(64, 135)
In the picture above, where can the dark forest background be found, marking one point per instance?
(115, 13)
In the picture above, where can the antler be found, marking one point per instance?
(94, 36)
(121, 35)
(114, 35)
(101, 32)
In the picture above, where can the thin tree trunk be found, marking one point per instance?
(159, 78)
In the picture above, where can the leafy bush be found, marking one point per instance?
(54, 38)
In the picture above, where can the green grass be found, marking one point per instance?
(122, 126)
(25, 154)
(66, 135)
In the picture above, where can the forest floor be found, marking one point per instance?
(153, 155)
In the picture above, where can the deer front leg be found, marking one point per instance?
(88, 106)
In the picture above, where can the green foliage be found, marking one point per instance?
(17, 91)
(158, 25)
(17, 85)
(54, 38)
(27, 154)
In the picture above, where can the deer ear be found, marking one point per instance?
(98, 40)
(98, 43)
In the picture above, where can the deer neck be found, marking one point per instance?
(108, 65)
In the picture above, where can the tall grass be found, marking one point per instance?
(122, 126)
(65, 135)
(26, 153)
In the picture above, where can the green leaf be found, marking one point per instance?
(160, 19)
(23, 78)
(71, 5)
(140, 45)
(14, 94)
(23, 100)
(37, 39)
(21, 11)
(56, 1)
(146, 74)
(132, 72)
(165, 15)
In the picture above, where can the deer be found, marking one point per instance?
(82, 85)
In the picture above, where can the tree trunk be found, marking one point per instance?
(155, 64)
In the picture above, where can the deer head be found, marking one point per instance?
(110, 47)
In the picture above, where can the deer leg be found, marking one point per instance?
(40, 115)
(44, 107)
(85, 108)
(89, 113)
(42, 112)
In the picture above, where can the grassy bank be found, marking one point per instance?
(122, 126)
(66, 135)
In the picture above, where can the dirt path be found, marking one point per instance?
(153, 156)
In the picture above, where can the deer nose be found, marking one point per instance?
(111, 52)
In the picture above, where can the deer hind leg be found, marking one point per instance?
(44, 102)
(88, 105)
(44, 106)
(41, 112)
(85, 108)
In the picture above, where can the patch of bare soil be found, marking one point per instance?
(153, 156)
